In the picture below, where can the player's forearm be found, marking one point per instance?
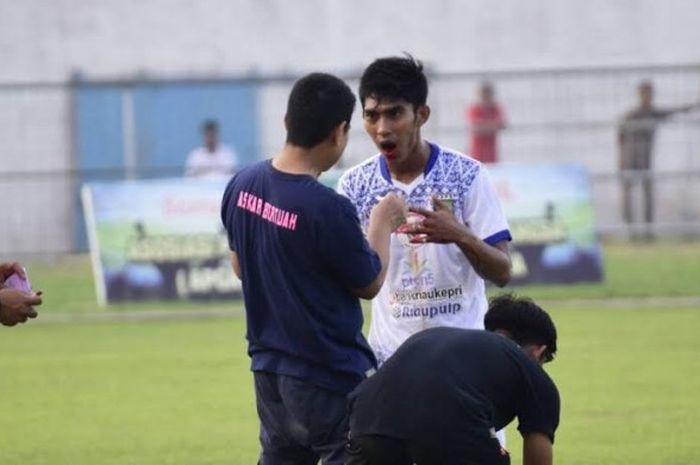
(379, 238)
(490, 262)
(384, 218)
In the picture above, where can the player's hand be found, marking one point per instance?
(390, 210)
(8, 269)
(17, 306)
(438, 226)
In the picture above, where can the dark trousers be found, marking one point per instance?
(384, 450)
(300, 423)
(647, 197)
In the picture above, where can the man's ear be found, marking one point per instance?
(338, 133)
(422, 114)
(536, 352)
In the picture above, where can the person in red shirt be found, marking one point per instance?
(485, 119)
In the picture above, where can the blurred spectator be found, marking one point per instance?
(485, 119)
(636, 142)
(212, 159)
(16, 305)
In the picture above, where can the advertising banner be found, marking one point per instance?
(550, 213)
(158, 239)
(163, 239)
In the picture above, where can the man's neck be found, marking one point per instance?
(414, 165)
(296, 160)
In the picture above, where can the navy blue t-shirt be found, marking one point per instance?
(301, 252)
(452, 388)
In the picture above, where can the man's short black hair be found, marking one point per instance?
(395, 78)
(486, 85)
(645, 84)
(318, 103)
(210, 125)
(524, 320)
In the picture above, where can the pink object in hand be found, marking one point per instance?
(15, 281)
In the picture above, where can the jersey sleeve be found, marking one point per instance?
(483, 212)
(344, 247)
(540, 405)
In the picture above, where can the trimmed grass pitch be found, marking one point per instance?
(181, 393)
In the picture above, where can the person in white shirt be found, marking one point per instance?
(456, 235)
(212, 159)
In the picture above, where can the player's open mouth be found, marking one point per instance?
(388, 149)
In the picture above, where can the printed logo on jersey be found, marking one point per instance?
(418, 298)
(449, 201)
(416, 273)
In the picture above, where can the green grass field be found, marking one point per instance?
(179, 392)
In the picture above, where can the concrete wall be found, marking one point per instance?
(47, 40)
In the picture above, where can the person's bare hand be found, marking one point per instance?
(17, 306)
(391, 209)
(439, 226)
(10, 268)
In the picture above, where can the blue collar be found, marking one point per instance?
(434, 151)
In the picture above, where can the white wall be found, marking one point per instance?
(47, 40)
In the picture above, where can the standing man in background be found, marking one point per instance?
(636, 134)
(456, 236)
(303, 260)
(212, 159)
(485, 119)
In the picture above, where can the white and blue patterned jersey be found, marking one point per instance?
(428, 285)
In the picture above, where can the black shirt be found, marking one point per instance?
(301, 252)
(451, 388)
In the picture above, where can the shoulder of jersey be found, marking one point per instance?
(452, 159)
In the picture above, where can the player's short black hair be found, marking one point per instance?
(395, 78)
(524, 320)
(318, 103)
